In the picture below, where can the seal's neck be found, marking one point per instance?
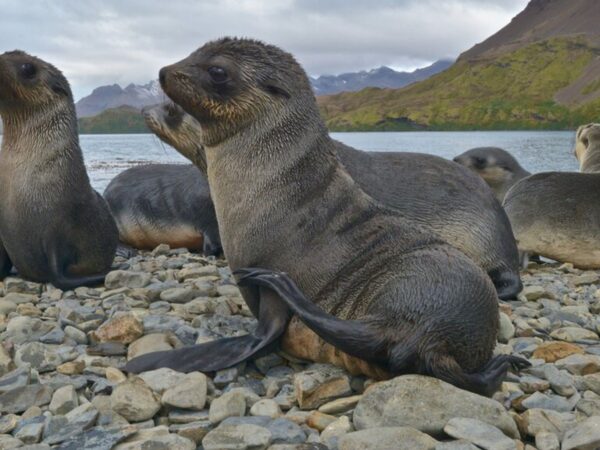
(42, 136)
(271, 180)
(591, 160)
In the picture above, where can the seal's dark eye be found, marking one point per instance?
(27, 70)
(218, 74)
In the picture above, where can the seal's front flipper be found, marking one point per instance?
(273, 317)
(65, 281)
(5, 262)
(354, 337)
(125, 251)
(211, 246)
(485, 382)
(507, 282)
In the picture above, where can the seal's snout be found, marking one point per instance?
(162, 76)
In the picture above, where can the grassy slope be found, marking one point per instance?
(513, 91)
(113, 121)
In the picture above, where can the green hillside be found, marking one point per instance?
(515, 90)
(114, 121)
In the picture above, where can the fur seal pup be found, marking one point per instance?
(53, 226)
(166, 203)
(557, 214)
(496, 166)
(446, 199)
(587, 147)
(442, 196)
(374, 286)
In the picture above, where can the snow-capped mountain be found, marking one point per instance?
(107, 97)
(383, 77)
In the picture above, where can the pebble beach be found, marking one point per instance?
(61, 387)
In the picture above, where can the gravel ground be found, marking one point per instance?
(60, 386)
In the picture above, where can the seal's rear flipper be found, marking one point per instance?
(354, 337)
(207, 357)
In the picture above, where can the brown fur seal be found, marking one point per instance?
(164, 204)
(441, 196)
(496, 166)
(53, 226)
(587, 148)
(557, 214)
(167, 203)
(382, 290)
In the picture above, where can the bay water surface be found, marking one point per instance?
(537, 151)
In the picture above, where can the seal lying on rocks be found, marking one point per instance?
(496, 166)
(167, 203)
(557, 214)
(384, 291)
(53, 226)
(447, 199)
(164, 204)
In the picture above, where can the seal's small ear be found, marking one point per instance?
(272, 87)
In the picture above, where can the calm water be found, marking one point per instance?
(537, 151)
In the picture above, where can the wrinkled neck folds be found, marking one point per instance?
(42, 135)
(590, 162)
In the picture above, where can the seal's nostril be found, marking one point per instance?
(162, 76)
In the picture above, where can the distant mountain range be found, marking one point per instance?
(136, 96)
(383, 77)
(114, 96)
(541, 71)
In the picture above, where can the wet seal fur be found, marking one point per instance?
(444, 197)
(166, 203)
(366, 281)
(557, 214)
(499, 169)
(53, 226)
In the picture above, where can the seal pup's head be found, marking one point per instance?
(493, 164)
(498, 168)
(231, 84)
(178, 129)
(29, 85)
(587, 147)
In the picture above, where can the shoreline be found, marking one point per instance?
(65, 347)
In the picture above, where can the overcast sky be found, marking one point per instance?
(97, 42)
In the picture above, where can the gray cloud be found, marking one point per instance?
(106, 41)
